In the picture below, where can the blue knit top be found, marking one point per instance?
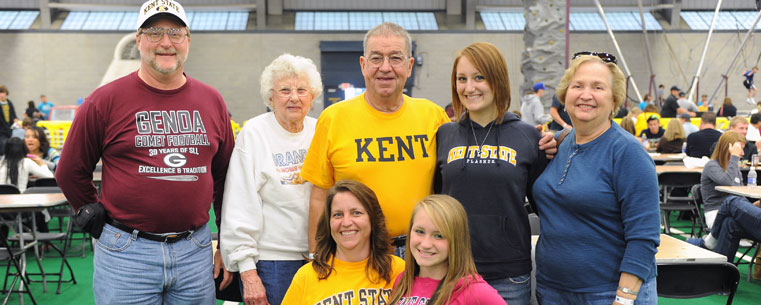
(598, 205)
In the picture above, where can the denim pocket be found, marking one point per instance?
(113, 239)
(521, 279)
(201, 238)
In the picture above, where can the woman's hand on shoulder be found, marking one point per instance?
(736, 149)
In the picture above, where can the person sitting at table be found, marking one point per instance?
(654, 129)
(39, 147)
(353, 260)
(737, 218)
(723, 169)
(627, 123)
(672, 139)
(699, 143)
(16, 166)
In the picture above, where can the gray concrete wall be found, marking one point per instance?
(66, 66)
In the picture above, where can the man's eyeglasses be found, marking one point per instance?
(156, 34)
(287, 92)
(396, 60)
(606, 57)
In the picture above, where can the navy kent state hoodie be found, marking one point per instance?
(492, 186)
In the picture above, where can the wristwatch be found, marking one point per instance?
(627, 290)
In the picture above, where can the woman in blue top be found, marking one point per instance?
(598, 199)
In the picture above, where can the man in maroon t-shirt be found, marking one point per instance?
(165, 140)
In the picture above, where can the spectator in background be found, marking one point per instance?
(739, 124)
(659, 94)
(704, 104)
(654, 129)
(15, 167)
(532, 108)
(39, 147)
(672, 140)
(641, 122)
(45, 107)
(727, 109)
(450, 112)
(20, 133)
(689, 106)
(670, 107)
(687, 125)
(748, 84)
(754, 130)
(627, 123)
(32, 112)
(647, 101)
(560, 118)
(699, 143)
(7, 117)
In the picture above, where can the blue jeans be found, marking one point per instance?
(737, 218)
(514, 290)
(132, 270)
(276, 277)
(648, 295)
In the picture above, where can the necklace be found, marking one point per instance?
(475, 138)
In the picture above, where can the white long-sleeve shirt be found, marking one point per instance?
(266, 202)
(25, 167)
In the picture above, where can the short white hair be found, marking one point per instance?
(288, 65)
(389, 29)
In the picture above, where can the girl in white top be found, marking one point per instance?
(15, 167)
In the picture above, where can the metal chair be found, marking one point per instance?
(671, 184)
(697, 200)
(48, 239)
(13, 256)
(696, 280)
(9, 189)
(46, 182)
(755, 246)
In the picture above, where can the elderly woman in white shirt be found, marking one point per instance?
(263, 234)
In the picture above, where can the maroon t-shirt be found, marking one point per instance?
(164, 153)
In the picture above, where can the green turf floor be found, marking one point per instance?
(81, 293)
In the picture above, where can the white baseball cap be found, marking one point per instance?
(154, 7)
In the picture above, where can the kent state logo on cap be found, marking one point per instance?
(154, 7)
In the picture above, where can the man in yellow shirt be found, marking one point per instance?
(381, 138)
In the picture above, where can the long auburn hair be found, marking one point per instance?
(450, 219)
(721, 152)
(380, 245)
(488, 60)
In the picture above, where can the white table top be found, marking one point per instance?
(673, 251)
(33, 201)
(744, 191)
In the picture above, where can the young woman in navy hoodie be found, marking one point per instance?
(488, 160)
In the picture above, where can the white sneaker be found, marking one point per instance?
(750, 101)
(745, 243)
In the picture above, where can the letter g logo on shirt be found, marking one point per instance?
(175, 160)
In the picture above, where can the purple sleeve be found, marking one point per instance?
(81, 152)
(220, 162)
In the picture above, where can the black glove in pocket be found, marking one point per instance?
(91, 218)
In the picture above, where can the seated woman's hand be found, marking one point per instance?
(736, 149)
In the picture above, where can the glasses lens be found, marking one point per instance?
(156, 34)
(394, 60)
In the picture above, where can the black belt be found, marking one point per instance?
(399, 241)
(165, 238)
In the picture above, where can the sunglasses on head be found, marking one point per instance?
(606, 57)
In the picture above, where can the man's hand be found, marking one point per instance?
(227, 278)
(253, 289)
(548, 144)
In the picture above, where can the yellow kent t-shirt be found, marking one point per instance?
(392, 153)
(347, 284)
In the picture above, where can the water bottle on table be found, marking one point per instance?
(752, 177)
